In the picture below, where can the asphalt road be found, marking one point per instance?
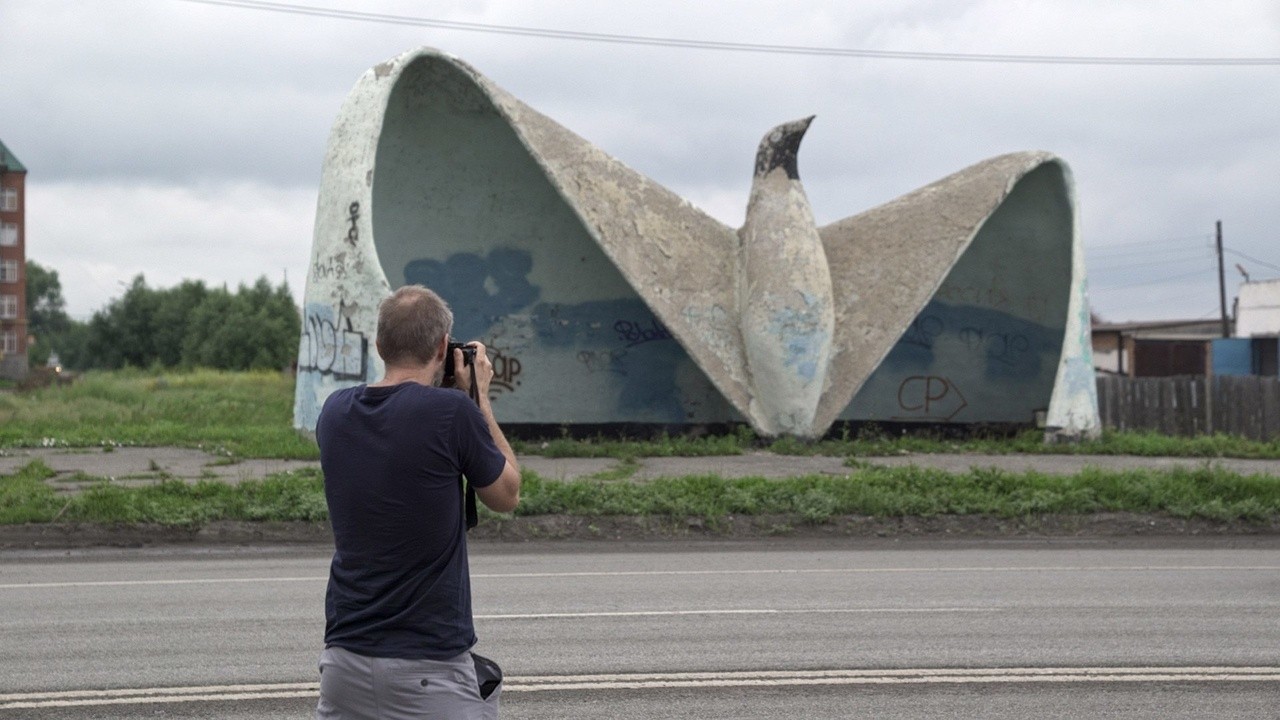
(733, 630)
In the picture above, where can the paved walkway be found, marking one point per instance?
(147, 465)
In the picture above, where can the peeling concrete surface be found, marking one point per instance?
(396, 150)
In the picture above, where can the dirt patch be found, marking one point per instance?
(640, 528)
(631, 528)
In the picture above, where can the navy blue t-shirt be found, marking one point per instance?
(399, 584)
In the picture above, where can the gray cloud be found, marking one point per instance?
(157, 102)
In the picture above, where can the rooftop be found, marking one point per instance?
(8, 162)
(1198, 329)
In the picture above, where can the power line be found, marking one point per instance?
(621, 39)
(1183, 240)
(1153, 252)
(1101, 267)
(1157, 281)
(1149, 252)
(1252, 259)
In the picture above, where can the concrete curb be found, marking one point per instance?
(627, 529)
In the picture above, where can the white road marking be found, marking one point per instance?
(645, 681)
(133, 583)
(744, 611)
(874, 571)
(892, 677)
(679, 573)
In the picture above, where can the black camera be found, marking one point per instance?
(468, 357)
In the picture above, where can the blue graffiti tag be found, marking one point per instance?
(619, 336)
(480, 290)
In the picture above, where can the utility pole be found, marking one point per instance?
(1222, 286)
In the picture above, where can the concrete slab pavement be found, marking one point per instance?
(148, 465)
(141, 465)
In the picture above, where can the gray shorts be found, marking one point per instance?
(356, 686)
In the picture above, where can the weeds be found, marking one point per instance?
(1207, 492)
(909, 491)
(664, 446)
(873, 443)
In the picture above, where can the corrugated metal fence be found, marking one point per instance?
(1248, 406)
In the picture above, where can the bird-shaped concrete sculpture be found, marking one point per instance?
(785, 299)
(611, 299)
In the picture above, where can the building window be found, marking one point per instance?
(10, 343)
(9, 200)
(8, 306)
(8, 234)
(9, 271)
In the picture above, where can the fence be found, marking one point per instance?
(1248, 406)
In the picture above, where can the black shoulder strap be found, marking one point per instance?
(472, 517)
(469, 492)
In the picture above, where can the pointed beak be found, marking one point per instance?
(779, 146)
(797, 127)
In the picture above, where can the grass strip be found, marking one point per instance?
(243, 414)
(289, 496)
(895, 492)
(870, 442)
(248, 414)
(1144, 444)
(1208, 492)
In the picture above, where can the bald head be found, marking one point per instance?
(412, 323)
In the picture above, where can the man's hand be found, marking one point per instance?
(503, 494)
(483, 366)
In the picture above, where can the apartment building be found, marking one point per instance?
(13, 282)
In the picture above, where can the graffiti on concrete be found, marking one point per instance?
(1008, 346)
(492, 294)
(479, 289)
(331, 346)
(353, 232)
(644, 358)
(638, 333)
(1002, 347)
(962, 363)
(333, 267)
(930, 397)
(603, 361)
(996, 296)
(506, 370)
(924, 329)
(631, 305)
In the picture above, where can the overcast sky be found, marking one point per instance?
(183, 140)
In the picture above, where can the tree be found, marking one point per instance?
(47, 317)
(124, 333)
(255, 329)
(174, 308)
(189, 325)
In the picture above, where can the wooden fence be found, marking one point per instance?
(1248, 406)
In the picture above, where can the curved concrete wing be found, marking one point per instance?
(543, 245)
(962, 302)
(605, 298)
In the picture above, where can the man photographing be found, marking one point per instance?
(398, 629)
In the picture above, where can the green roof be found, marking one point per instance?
(8, 161)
